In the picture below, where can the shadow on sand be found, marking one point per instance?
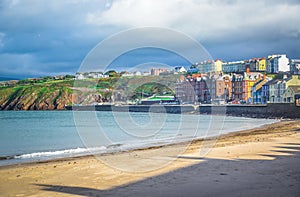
(279, 176)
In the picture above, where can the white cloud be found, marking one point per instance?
(208, 19)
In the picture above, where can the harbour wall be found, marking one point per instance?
(276, 110)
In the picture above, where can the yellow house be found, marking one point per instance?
(294, 81)
(247, 91)
(249, 80)
(262, 65)
(218, 65)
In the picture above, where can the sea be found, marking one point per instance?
(32, 136)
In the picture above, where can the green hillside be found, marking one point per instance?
(51, 93)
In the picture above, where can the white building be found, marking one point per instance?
(95, 75)
(278, 63)
(79, 76)
(137, 73)
(146, 73)
(179, 69)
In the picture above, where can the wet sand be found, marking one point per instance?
(263, 161)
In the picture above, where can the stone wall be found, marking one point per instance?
(275, 110)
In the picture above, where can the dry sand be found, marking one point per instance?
(262, 162)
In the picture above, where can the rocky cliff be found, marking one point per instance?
(48, 96)
(35, 97)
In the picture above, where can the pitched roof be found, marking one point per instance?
(258, 82)
(273, 81)
(296, 89)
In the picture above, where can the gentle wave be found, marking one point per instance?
(75, 151)
(97, 150)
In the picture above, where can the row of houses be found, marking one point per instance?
(135, 73)
(94, 75)
(272, 64)
(249, 87)
(278, 90)
(153, 72)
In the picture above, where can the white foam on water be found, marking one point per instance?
(68, 152)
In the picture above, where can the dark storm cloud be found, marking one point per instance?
(53, 37)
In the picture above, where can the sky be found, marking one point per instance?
(41, 38)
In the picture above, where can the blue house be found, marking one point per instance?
(234, 67)
(192, 71)
(265, 92)
(258, 91)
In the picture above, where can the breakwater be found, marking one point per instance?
(276, 110)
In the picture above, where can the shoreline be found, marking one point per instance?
(89, 176)
(195, 142)
(142, 148)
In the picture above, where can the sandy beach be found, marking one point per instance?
(262, 161)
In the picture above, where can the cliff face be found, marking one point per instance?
(47, 97)
(35, 98)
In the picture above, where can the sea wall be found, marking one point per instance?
(176, 109)
(278, 110)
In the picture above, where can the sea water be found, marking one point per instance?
(27, 136)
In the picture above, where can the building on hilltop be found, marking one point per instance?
(278, 63)
(256, 65)
(295, 66)
(127, 74)
(137, 73)
(252, 65)
(262, 65)
(205, 66)
(234, 67)
(193, 70)
(95, 75)
(208, 66)
(179, 69)
(218, 65)
(79, 76)
(158, 71)
(146, 73)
